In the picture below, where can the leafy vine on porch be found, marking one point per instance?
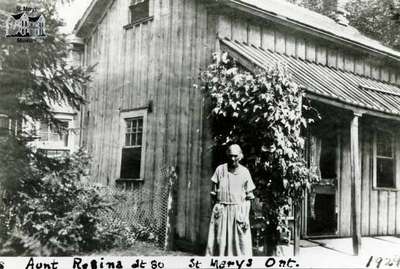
(263, 111)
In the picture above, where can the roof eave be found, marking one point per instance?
(91, 17)
(79, 25)
(302, 27)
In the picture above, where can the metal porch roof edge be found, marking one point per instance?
(340, 88)
(312, 21)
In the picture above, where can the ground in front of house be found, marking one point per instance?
(314, 253)
(338, 252)
(142, 249)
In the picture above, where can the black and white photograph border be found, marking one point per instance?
(201, 128)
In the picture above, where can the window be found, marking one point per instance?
(139, 10)
(48, 133)
(133, 141)
(384, 160)
(5, 125)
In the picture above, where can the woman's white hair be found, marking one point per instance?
(237, 148)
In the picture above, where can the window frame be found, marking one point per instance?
(4, 116)
(50, 133)
(142, 19)
(48, 145)
(124, 116)
(395, 158)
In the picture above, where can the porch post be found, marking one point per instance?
(355, 184)
(297, 227)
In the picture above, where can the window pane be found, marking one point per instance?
(44, 131)
(133, 140)
(127, 139)
(134, 123)
(139, 10)
(130, 163)
(384, 175)
(4, 125)
(384, 144)
(44, 127)
(139, 139)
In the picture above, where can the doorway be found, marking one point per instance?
(321, 202)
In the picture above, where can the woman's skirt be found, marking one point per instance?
(229, 233)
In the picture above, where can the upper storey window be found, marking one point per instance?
(139, 10)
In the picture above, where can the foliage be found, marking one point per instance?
(35, 76)
(378, 19)
(122, 226)
(263, 113)
(55, 214)
(45, 206)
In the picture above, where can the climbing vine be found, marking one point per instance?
(263, 111)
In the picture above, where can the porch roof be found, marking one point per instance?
(324, 83)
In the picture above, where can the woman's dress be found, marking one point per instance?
(229, 232)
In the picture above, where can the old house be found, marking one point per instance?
(143, 113)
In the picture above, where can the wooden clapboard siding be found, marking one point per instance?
(283, 40)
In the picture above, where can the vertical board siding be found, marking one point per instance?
(301, 48)
(321, 55)
(383, 212)
(310, 51)
(365, 182)
(291, 46)
(391, 230)
(280, 42)
(268, 38)
(359, 65)
(345, 184)
(397, 154)
(255, 35)
(239, 29)
(225, 26)
(156, 61)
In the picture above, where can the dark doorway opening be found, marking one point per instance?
(321, 213)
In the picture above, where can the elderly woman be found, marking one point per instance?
(229, 232)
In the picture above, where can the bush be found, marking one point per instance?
(52, 212)
(126, 222)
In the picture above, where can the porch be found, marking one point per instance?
(342, 248)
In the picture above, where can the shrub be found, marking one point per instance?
(127, 221)
(52, 211)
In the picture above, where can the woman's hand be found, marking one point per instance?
(250, 196)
